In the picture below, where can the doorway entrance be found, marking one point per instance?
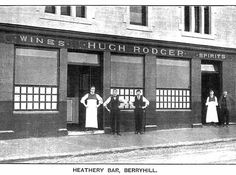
(80, 77)
(211, 80)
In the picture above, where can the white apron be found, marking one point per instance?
(211, 115)
(91, 114)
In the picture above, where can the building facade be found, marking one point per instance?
(51, 55)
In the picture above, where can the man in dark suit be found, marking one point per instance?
(114, 100)
(139, 104)
(225, 104)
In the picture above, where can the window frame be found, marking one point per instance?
(84, 11)
(144, 16)
(148, 28)
(30, 85)
(130, 55)
(179, 89)
(128, 107)
(87, 20)
(53, 7)
(202, 33)
(68, 8)
(125, 95)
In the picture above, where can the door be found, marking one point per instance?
(211, 80)
(80, 79)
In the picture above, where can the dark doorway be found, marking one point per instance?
(80, 79)
(211, 80)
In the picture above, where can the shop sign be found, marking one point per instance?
(211, 56)
(92, 45)
(107, 46)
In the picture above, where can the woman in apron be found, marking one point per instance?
(91, 101)
(211, 103)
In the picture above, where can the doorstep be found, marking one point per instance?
(80, 133)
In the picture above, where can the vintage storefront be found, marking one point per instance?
(45, 72)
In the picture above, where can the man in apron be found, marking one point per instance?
(91, 101)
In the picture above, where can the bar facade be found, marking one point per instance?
(45, 72)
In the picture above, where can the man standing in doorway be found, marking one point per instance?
(225, 107)
(139, 104)
(114, 110)
(91, 101)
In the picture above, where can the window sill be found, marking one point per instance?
(139, 28)
(173, 110)
(35, 112)
(68, 19)
(198, 35)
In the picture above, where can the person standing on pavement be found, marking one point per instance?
(225, 107)
(211, 103)
(139, 104)
(91, 101)
(114, 100)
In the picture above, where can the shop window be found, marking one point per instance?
(197, 19)
(128, 94)
(35, 97)
(80, 11)
(50, 9)
(173, 84)
(138, 15)
(34, 89)
(65, 10)
(126, 76)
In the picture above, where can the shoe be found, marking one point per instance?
(118, 134)
(141, 132)
(136, 132)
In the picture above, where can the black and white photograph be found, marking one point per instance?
(131, 85)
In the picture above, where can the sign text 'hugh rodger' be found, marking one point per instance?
(93, 45)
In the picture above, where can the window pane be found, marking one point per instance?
(126, 71)
(36, 90)
(30, 98)
(36, 97)
(172, 73)
(50, 9)
(138, 15)
(36, 105)
(42, 105)
(80, 11)
(206, 20)
(42, 97)
(48, 105)
(48, 90)
(33, 67)
(30, 90)
(83, 58)
(17, 89)
(17, 98)
(65, 10)
(30, 106)
(197, 19)
(187, 18)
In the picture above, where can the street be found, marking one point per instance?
(213, 153)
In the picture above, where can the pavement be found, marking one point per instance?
(17, 150)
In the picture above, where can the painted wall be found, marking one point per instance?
(165, 22)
